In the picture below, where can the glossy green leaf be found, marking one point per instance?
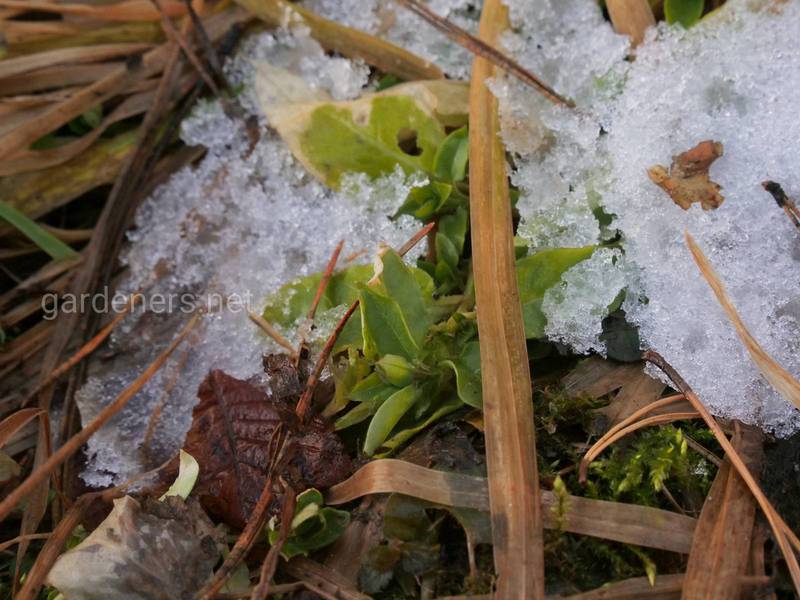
(387, 416)
(538, 273)
(450, 162)
(402, 436)
(450, 237)
(314, 526)
(685, 12)
(43, 239)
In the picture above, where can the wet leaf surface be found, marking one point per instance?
(232, 430)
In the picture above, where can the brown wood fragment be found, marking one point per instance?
(721, 546)
(687, 181)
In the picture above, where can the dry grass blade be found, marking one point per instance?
(783, 535)
(484, 49)
(776, 375)
(129, 10)
(86, 349)
(347, 41)
(506, 381)
(323, 284)
(267, 328)
(16, 421)
(23, 64)
(322, 580)
(666, 587)
(627, 523)
(721, 548)
(75, 442)
(631, 17)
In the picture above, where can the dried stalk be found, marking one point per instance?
(783, 381)
(267, 328)
(79, 439)
(349, 42)
(783, 201)
(783, 535)
(263, 588)
(631, 17)
(507, 398)
(486, 50)
(323, 284)
(627, 523)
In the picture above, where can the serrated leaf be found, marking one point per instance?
(187, 477)
(685, 12)
(538, 273)
(450, 163)
(403, 126)
(387, 416)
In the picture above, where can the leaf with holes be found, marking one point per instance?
(402, 126)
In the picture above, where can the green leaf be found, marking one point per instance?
(467, 369)
(402, 436)
(387, 81)
(387, 416)
(450, 237)
(621, 338)
(685, 12)
(187, 477)
(450, 162)
(370, 393)
(538, 273)
(46, 241)
(293, 300)
(402, 286)
(426, 202)
(403, 126)
(314, 526)
(384, 328)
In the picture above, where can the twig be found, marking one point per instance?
(271, 331)
(85, 350)
(783, 535)
(484, 50)
(607, 440)
(179, 38)
(301, 410)
(262, 590)
(79, 439)
(323, 284)
(254, 524)
(786, 203)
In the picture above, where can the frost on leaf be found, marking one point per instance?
(159, 550)
(233, 437)
(403, 126)
(688, 182)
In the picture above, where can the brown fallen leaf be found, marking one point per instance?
(687, 181)
(158, 550)
(230, 437)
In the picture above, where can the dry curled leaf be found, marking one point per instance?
(154, 550)
(232, 437)
(687, 181)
